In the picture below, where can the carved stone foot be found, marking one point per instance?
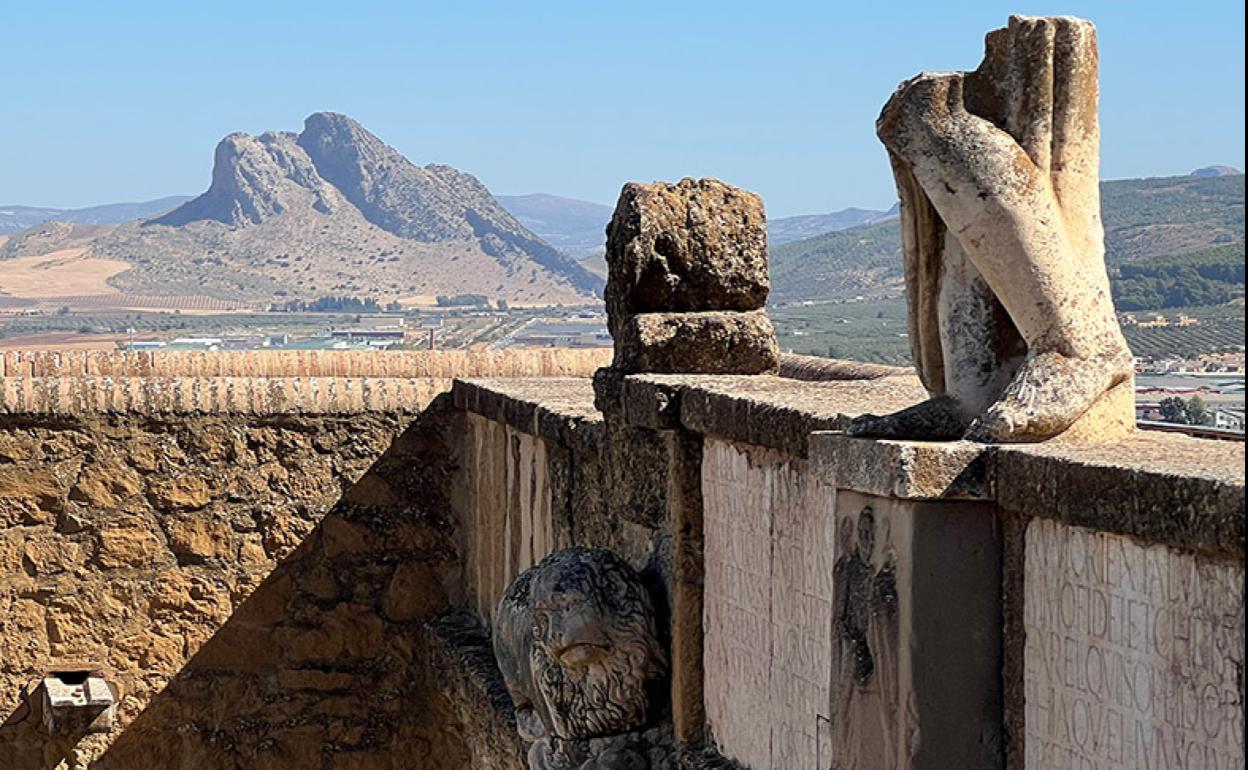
(937, 419)
(1047, 396)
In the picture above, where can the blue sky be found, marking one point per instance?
(105, 102)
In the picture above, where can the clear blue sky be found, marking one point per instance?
(105, 102)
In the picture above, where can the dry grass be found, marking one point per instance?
(58, 274)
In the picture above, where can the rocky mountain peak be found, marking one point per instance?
(336, 192)
(255, 178)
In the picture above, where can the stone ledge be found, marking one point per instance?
(771, 411)
(908, 470)
(1160, 488)
(546, 407)
(75, 396)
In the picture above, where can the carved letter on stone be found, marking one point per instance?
(1011, 322)
(576, 643)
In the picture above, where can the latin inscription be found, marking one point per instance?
(768, 606)
(1134, 655)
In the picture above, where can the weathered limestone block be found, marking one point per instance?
(576, 642)
(1134, 654)
(697, 248)
(695, 245)
(29, 496)
(1012, 324)
(710, 343)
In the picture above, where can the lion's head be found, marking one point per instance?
(593, 655)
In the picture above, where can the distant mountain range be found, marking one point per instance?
(789, 229)
(1217, 171)
(578, 228)
(575, 227)
(15, 218)
(332, 210)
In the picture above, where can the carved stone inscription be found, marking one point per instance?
(769, 528)
(1134, 655)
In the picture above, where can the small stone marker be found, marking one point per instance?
(76, 703)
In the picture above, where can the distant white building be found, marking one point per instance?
(1228, 419)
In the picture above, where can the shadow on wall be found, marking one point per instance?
(323, 667)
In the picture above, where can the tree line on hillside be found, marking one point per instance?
(1208, 277)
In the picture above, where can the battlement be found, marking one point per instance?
(260, 382)
(442, 364)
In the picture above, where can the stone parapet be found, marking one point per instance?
(305, 363)
(768, 411)
(973, 578)
(261, 382)
(543, 407)
(1160, 488)
(1163, 488)
(71, 396)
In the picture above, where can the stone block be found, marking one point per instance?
(916, 635)
(907, 470)
(702, 343)
(200, 537)
(1134, 655)
(692, 246)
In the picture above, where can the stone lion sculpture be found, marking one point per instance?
(1012, 326)
(576, 643)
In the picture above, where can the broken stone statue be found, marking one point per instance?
(576, 643)
(1012, 326)
(687, 280)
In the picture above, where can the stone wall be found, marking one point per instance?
(250, 546)
(510, 526)
(288, 583)
(128, 541)
(440, 364)
(769, 529)
(857, 603)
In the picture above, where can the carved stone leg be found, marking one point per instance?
(1039, 254)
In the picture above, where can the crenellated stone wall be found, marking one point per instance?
(439, 364)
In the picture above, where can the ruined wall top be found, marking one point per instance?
(260, 382)
(303, 363)
(688, 280)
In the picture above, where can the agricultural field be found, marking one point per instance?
(107, 330)
(161, 325)
(876, 331)
(862, 331)
(1220, 329)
